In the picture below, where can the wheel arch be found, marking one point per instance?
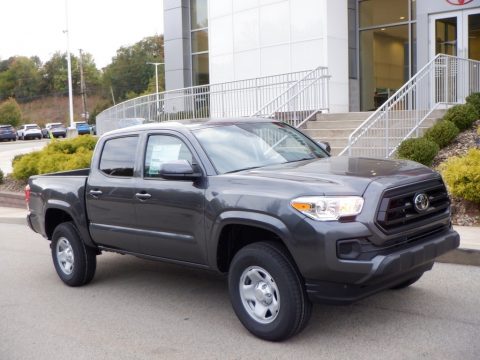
(235, 229)
(56, 214)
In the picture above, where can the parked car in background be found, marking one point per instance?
(82, 127)
(29, 131)
(56, 129)
(8, 132)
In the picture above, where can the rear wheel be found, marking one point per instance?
(407, 283)
(74, 262)
(267, 292)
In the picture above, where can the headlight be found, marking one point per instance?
(325, 208)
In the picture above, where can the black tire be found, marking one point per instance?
(283, 283)
(82, 258)
(407, 283)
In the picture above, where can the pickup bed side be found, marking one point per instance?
(57, 198)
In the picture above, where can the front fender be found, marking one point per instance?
(260, 220)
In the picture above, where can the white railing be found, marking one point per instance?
(301, 101)
(299, 93)
(445, 80)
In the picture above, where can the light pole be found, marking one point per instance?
(69, 65)
(156, 81)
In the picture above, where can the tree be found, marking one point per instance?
(129, 74)
(55, 74)
(10, 113)
(20, 78)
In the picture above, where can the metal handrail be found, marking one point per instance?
(444, 80)
(319, 72)
(229, 99)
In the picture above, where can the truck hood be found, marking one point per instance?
(342, 174)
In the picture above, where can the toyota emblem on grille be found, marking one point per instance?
(421, 202)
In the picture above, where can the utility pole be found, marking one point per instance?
(83, 88)
(69, 65)
(156, 81)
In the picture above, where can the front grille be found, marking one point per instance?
(397, 210)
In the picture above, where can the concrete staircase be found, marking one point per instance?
(336, 128)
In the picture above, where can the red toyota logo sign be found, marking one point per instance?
(459, 2)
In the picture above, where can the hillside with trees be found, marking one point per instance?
(39, 91)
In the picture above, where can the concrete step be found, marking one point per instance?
(340, 124)
(336, 128)
(344, 116)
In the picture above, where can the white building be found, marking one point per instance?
(370, 47)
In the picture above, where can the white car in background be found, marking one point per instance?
(29, 131)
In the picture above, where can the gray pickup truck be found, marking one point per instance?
(255, 199)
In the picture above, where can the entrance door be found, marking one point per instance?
(456, 33)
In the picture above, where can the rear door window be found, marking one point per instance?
(118, 156)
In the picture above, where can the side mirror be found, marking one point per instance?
(325, 146)
(178, 170)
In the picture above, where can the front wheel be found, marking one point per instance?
(74, 262)
(267, 293)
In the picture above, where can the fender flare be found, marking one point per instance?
(239, 217)
(79, 220)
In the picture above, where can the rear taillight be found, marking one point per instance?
(27, 194)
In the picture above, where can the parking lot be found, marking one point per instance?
(138, 309)
(9, 149)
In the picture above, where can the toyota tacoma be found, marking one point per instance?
(254, 199)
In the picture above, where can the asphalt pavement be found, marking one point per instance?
(139, 309)
(8, 150)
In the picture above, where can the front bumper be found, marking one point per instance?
(383, 271)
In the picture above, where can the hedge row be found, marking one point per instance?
(458, 118)
(58, 155)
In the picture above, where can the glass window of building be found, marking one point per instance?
(381, 12)
(199, 42)
(474, 36)
(387, 32)
(198, 14)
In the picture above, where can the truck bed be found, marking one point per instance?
(62, 190)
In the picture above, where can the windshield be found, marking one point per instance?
(31, 127)
(244, 146)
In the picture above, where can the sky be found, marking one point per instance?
(99, 27)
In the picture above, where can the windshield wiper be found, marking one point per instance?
(247, 168)
(301, 159)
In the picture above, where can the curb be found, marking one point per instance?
(13, 220)
(461, 256)
(12, 199)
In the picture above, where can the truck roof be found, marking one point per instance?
(190, 124)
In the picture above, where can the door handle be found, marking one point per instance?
(143, 196)
(95, 193)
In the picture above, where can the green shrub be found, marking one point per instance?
(474, 99)
(57, 156)
(420, 150)
(462, 175)
(442, 133)
(1, 176)
(26, 166)
(462, 116)
(16, 158)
